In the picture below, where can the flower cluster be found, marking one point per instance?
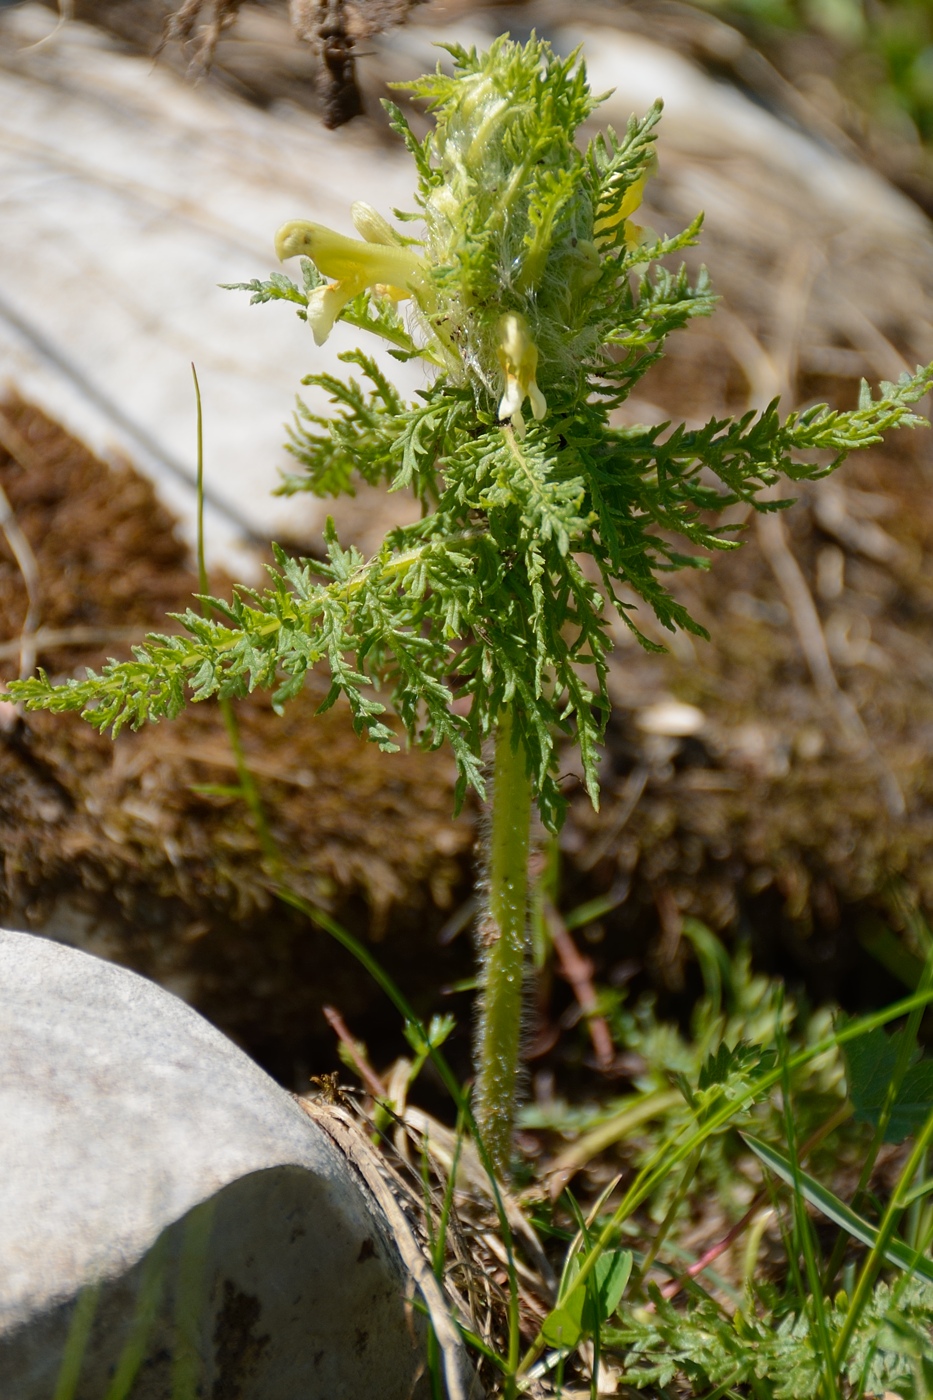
(379, 263)
(520, 230)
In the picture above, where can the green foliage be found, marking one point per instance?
(778, 1340)
(488, 615)
(730, 1046)
(783, 1339)
(871, 1062)
(829, 1204)
(775, 1352)
(486, 599)
(588, 1305)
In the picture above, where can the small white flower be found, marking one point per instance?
(518, 359)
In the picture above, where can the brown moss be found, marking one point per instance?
(776, 810)
(142, 849)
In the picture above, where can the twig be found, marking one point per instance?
(672, 927)
(772, 536)
(635, 785)
(18, 447)
(578, 971)
(149, 445)
(66, 13)
(441, 1144)
(461, 1380)
(770, 376)
(360, 1063)
(670, 1290)
(886, 360)
(13, 442)
(26, 563)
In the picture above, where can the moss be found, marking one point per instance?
(139, 849)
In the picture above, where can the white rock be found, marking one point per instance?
(237, 1255)
(672, 718)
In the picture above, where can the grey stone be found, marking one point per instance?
(172, 1225)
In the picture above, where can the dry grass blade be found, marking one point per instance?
(53, 638)
(472, 1178)
(26, 563)
(462, 1382)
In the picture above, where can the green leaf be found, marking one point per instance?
(278, 287)
(563, 1326)
(591, 1303)
(488, 600)
(822, 1199)
(916, 1193)
(739, 1061)
(871, 1061)
(612, 1273)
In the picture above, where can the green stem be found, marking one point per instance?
(503, 937)
(671, 1215)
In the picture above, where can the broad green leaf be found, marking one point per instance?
(588, 1305)
(612, 1273)
(870, 1064)
(563, 1326)
(837, 1211)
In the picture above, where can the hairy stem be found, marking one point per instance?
(503, 940)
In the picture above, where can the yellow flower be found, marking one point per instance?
(608, 219)
(518, 358)
(382, 262)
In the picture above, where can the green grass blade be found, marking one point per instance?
(192, 1287)
(824, 1200)
(889, 1222)
(803, 1229)
(79, 1331)
(148, 1300)
(916, 1193)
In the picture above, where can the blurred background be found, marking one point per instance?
(775, 784)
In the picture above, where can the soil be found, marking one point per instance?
(142, 850)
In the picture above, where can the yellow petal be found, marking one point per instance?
(340, 257)
(636, 236)
(609, 217)
(382, 289)
(632, 198)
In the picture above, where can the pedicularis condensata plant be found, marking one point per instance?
(538, 305)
